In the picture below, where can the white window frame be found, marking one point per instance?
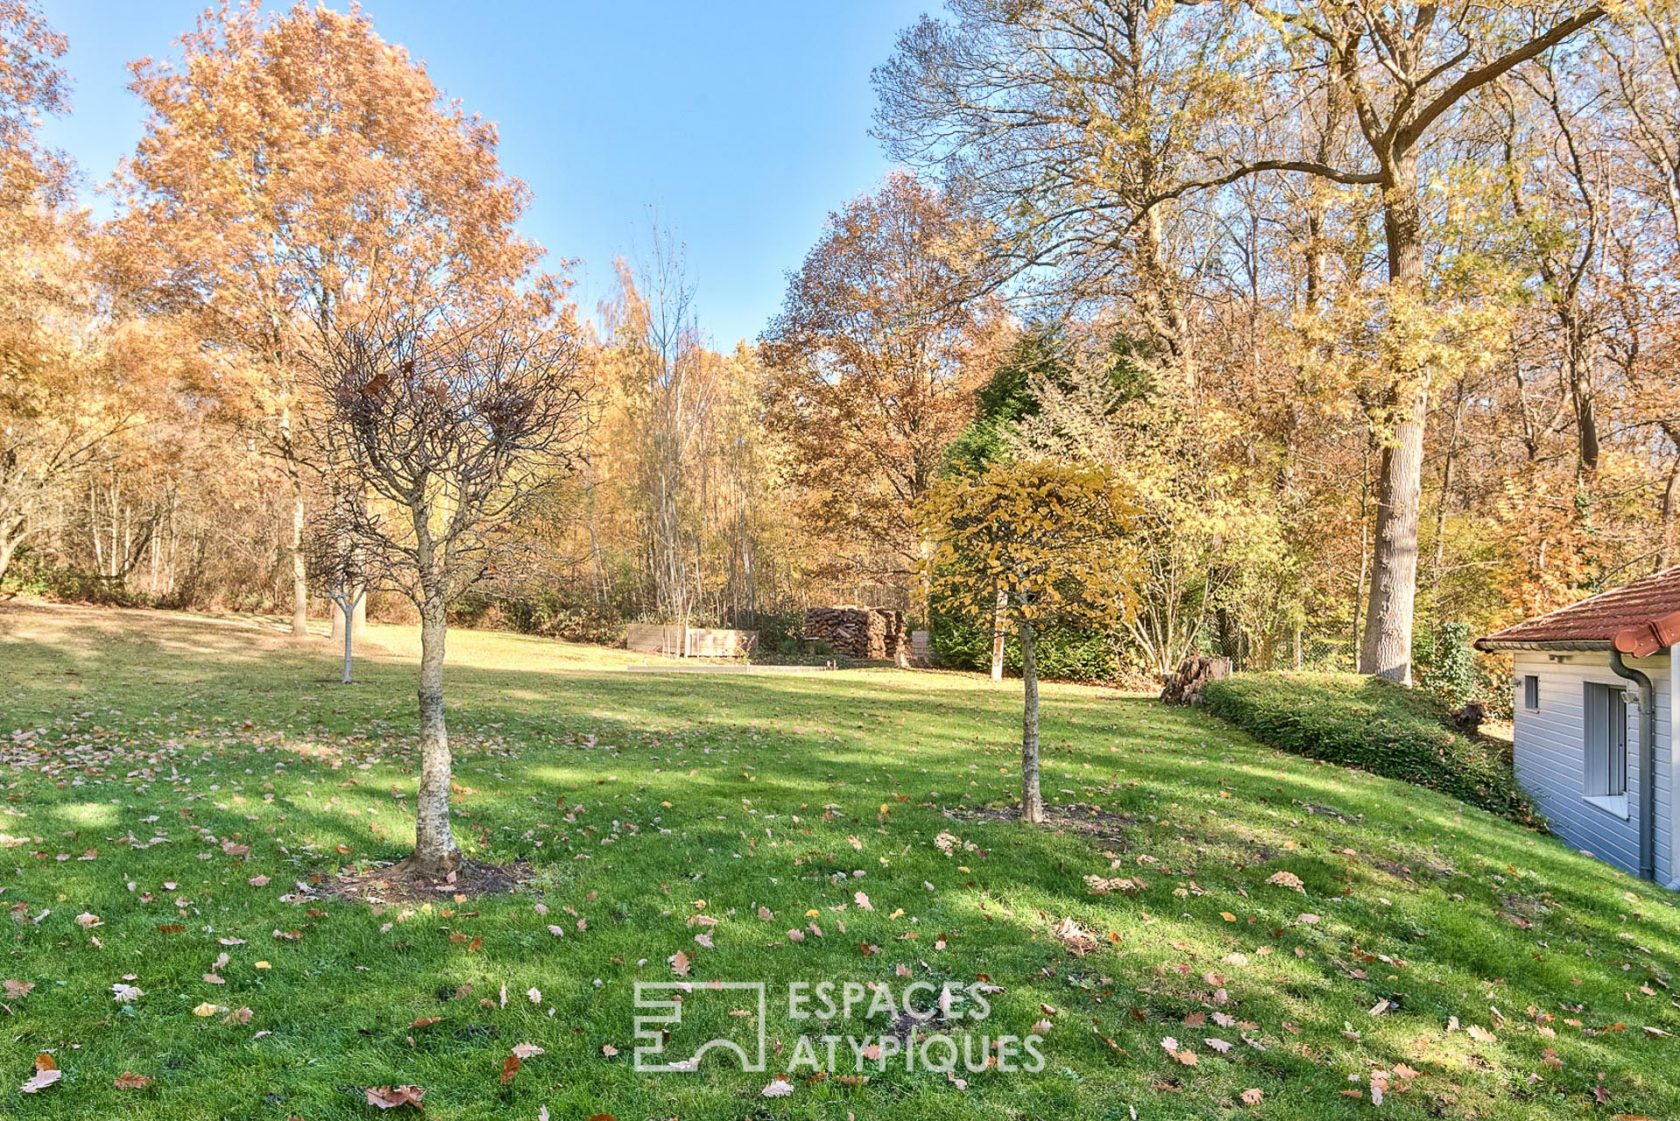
(1604, 747)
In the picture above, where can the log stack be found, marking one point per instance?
(874, 633)
(1185, 684)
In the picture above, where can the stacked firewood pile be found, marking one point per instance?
(859, 632)
(1185, 684)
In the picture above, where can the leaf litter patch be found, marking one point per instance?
(1102, 826)
(400, 882)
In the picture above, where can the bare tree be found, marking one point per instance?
(453, 422)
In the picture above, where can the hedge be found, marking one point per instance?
(1375, 725)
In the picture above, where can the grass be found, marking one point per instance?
(157, 766)
(1373, 724)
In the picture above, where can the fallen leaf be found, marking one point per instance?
(1287, 879)
(395, 1097)
(46, 1073)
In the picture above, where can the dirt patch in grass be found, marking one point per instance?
(1100, 825)
(401, 883)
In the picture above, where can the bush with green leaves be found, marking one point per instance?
(1063, 654)
(1451, 673)
(1375, 725)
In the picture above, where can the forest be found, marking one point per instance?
(1366, 314)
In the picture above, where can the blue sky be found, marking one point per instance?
(742, 122)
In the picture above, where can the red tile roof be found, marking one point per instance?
(1638, 619)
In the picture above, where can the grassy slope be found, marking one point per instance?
(713, 789)
(1373, 724)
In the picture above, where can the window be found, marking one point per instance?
(1605, 774)
(1531, 692)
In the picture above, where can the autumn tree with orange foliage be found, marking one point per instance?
(873, 363)
(290, 166)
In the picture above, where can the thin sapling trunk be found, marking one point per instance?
(1032, 799)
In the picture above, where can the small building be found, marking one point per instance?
(1594, 724)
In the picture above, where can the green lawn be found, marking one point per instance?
(158, 767)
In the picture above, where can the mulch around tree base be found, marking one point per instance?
(1100, 825)
(400, 883)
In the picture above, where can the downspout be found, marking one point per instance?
(1647, 763)
(1673, 766)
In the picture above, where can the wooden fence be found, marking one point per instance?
(690, 642)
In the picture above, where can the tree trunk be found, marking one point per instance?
(358, 617)
(1665, 520)
(1581, 395)
(349, 637)
(345, 623)
(998, 623)
(1386, 647)
(300, 575)
(434, 844)
(1032, 800)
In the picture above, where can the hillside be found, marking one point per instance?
(1276, 937)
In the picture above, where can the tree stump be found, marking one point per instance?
(1185, 684)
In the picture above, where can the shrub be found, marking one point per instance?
(1451, 674)
(33, 575)
(545, 613)
(1063, 654)
(1375, 725)
(779, 632)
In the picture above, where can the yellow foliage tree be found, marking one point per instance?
(1040, 544)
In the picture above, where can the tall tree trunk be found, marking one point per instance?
(1665, 520)
(1386, 647)
(1449, 462)
(434, 844)
(1581, 396)
(300, 574)
(1032, 799)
